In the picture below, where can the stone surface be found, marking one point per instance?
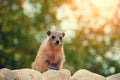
(8, 74)
(2, 77)
(114, 77)
(28, 74)
(62, 74)
(86, 75)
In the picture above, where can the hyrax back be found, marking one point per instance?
(50, 54)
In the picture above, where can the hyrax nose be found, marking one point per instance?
(57, 42)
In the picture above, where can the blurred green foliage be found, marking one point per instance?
(22, 32)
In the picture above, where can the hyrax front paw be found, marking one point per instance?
(54, 68)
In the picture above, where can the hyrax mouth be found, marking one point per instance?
(56, 44)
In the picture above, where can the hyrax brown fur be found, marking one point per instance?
(51, 53)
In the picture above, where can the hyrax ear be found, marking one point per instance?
(63, 34)
(48, 32)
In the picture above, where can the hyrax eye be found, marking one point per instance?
(60, 38)
(53, 37)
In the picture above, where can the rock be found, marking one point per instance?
(2, 77)
(114, 77)
(8, 74)
(86, 75)
(62, 74)
(28, 74)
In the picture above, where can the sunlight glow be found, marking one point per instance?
(114, 53)
(105, 4)
(68, 19)
(107, 29)
(87, 13)
(30, 9)
(95, 11)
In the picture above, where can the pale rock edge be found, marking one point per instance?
(63, 74)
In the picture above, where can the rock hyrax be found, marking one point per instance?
(51, 53)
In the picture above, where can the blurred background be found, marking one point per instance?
(92, 28)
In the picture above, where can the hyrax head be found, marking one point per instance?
(55, 37)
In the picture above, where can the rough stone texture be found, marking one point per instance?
(8, 74)
(2, 77)
(114, 77)
(28, 74)
(63, 74)
(86, 75)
